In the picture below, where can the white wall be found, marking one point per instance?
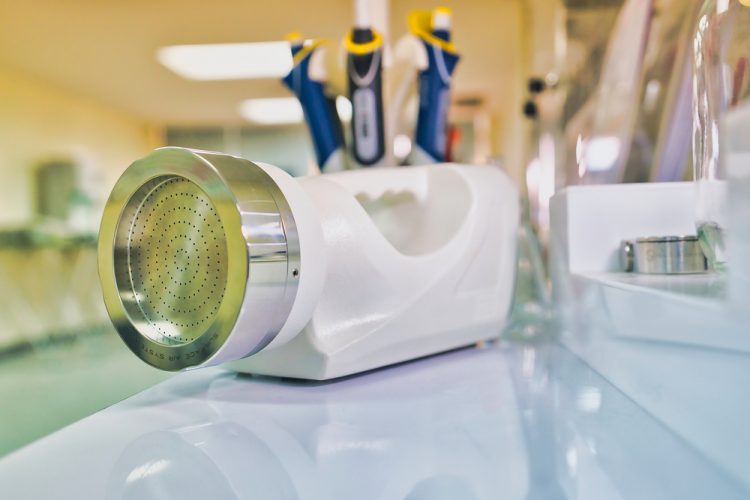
(39, 121)
(286, 147)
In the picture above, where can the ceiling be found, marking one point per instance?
(105, 49)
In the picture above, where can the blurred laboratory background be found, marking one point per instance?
(87, 87)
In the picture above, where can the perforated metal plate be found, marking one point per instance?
(176, 258)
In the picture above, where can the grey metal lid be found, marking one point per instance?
(663, 255)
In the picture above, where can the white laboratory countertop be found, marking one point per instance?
(502, 422)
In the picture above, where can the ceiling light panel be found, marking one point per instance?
(228, 61)
(272, 111)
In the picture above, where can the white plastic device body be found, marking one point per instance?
(398, 263)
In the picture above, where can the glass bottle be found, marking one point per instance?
(721, 116)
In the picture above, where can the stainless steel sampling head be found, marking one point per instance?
(194, 246)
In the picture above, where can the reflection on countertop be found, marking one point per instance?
(505, 421)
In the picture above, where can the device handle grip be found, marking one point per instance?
(373, 183)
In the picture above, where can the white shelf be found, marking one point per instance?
(687, 310)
